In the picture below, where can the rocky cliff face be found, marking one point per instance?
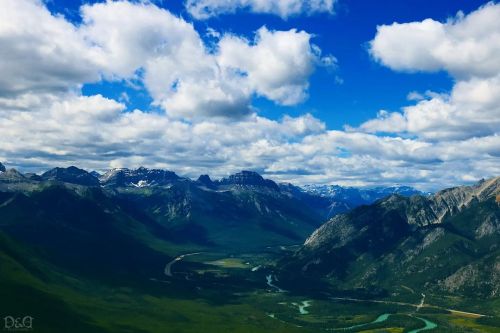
(141, 177)
(448, 202)
(418, 211)
(206, 181)
(2, 168)
(449, 241)
(12, 176)
(249, 178)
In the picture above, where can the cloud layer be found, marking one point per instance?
(140, 41)
(206, 122)
(203, 9)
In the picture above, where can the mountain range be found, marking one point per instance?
(170, 207)
(203, 211)
(447, 242)
(81, 243)
(342, 199)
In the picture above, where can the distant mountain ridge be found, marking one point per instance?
(72, 175)
(248, 178)
(360, 195)
(140, 177)
(143, 177)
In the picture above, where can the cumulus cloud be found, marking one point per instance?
(465, 46)
(472, 109)
(188, 78)
(131, 35)
(49, 57)
(177, 69)
(468, 47)
(266, 63)
(137, 40)
(204, 9)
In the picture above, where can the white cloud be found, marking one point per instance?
(131, 35)
(472, 109)
(186, 77)
(386, 122)
(97, 134)
(276, 64)
(140, 41)
(415, 96)
(203, 9)
(464, 46)
(40, 52)
(468, 47)
(178, 71)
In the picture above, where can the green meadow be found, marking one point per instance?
(211, 292)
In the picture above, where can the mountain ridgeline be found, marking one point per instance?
(202, 211)
(447, 242)
(82, 252)
(158, 204)
(129, 219)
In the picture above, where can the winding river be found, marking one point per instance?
(381, 318)
(303, 306)
(168, 267)
(429, 325)
(269, 281)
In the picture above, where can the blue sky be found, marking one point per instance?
(301, 91)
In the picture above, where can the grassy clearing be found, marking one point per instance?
(229, 263)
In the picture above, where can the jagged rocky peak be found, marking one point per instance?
(249, 178)
(406, 191)
(359, 195)
(483, 189)
(323, 190)
(205, 180)
(457, 198)
(2, 168)
(71, 175)
(402, 238)
(416, 211)
(11, 175)
(289, 188)
(140, 177)
(95, 174)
